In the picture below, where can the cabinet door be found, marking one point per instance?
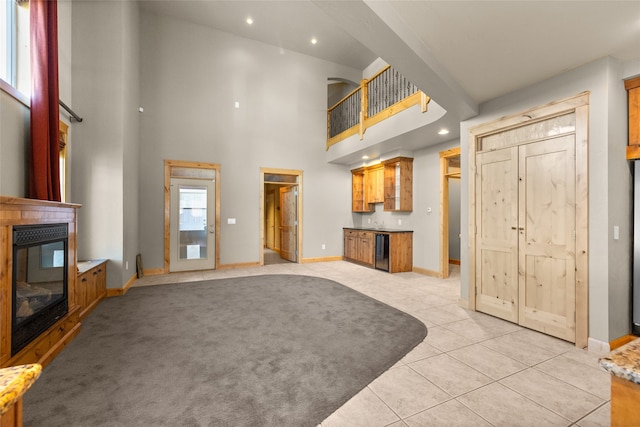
(366, 248)
(375, 185)
(398, 185)
(351, 244)
(81, 290)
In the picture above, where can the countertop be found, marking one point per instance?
(84, 266)
(378, 230)
(14, 382)
(624, 362)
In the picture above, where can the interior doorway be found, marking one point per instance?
(449, 210)
(280, 216)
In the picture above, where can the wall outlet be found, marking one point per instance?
(324, 246)
(231, 221)
(399, 222)
(368, 220)
(126, 265)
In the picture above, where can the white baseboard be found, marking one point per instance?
(597, 346)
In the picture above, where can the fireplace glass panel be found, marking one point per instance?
(39, 279)
(40, 283)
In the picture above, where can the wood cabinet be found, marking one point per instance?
(398, 184)
(390, 182)
(633, 94)
(358, 191)
(375, 184)
(360, 247)
(91, 285)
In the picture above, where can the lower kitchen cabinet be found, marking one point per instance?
(360, 247)
(91, 286)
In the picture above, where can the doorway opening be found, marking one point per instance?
(450, 210)
(191, 216)
(280, 216)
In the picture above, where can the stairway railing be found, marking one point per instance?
(376, 99)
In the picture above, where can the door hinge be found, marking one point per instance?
(295, 193)
(295, 222)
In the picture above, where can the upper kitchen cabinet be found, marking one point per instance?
(358, 191)
(375, 184)
(398, 184)
(633, 91)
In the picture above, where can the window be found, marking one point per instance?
(14, 45)
(64, 148)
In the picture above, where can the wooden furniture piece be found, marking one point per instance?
(14, 382)
(633, 95)
(389, 182)
(17, 211)
(360, 247)
(91, 286)
(624, 366)
(398, 185)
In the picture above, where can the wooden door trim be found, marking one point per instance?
(167, 205)
(273, 171)
(444, 209)
(578, 104)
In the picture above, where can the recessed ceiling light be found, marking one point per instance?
(314, 41)
(443, 131)
(249, 20)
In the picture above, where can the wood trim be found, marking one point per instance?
(153, 271)
(582, 223)
(262, 239)
(427, 272)
(632, 83)
(619, 342)
(167, 205)
(532, 115)
(115, 292)
(633, 152)
(238, 265)
(454, 261)
(580, 105)
(322, 259)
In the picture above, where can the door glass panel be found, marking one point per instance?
(193, 222)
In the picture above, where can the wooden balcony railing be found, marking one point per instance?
(385, 94)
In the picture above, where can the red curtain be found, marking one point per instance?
(44, 182)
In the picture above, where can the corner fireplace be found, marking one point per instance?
(40, 282)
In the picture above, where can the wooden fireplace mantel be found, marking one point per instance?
(18, 211)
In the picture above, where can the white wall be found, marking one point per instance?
(14, 146)
(105, 75)
(191, 76)
(609, 185)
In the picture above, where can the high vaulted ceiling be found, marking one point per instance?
(461, 53)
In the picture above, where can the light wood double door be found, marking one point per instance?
(525, 219)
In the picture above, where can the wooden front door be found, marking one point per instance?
(289, 223)
(525, 225)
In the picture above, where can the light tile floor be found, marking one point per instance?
(471, 370)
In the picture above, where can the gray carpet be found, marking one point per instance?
(272, 350)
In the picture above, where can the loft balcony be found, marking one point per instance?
(373, 118)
